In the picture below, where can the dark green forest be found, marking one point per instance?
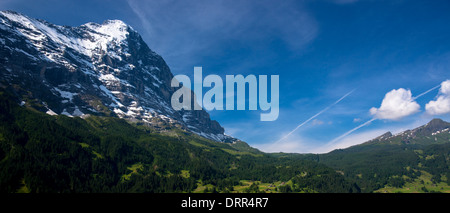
(374, 166)
(40, 153)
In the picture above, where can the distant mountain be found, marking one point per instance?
(93, 69)
(436, 131)
(416, 160)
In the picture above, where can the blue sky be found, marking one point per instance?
(384, 51)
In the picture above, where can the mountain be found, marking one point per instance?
(416, 160)
(87, 109)
(436, 131)
(93, 69)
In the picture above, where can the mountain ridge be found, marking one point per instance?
(417, 135)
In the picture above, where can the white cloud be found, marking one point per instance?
(396, 105)
(442, 104)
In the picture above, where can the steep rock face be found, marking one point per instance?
(103, 69)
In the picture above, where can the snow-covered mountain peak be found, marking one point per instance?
(114, 29)
(103, 69)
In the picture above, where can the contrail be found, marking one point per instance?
(373, 119)
(423, 93)
(322, 111)
(351, 131)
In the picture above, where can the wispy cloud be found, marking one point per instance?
(356, 120)
(317, 122)
(185, 31)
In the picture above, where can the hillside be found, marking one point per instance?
(44, 153)
(418, 158)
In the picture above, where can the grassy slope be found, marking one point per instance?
(421, 184)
